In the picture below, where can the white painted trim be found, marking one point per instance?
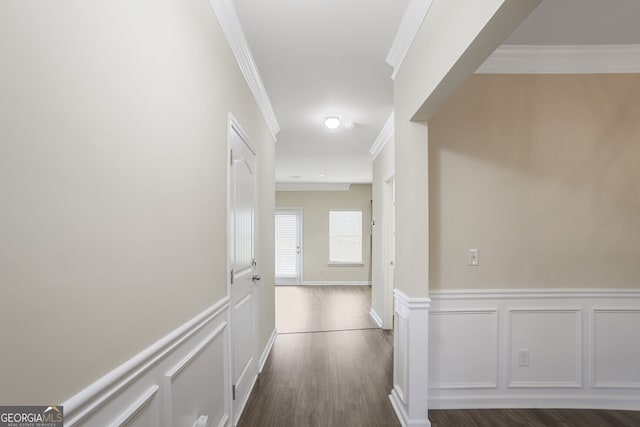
(401, 413)
(375, 317)
(410, 359)
(592, 350)
(223, 421)
(561, 401)
(585, 59)
(546, 384)
(336, 283)
(230, 24)
(554, 294)
(90, 399)
(554, 392)
(136, 407)
(388, 256)
(176, 370)
(385, 135)
(267, 350)
(411, 21)
(468, 385)
(410, 303)
(312, 186)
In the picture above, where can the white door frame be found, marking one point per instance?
(388, 256)
(298, 280)
(232, 405)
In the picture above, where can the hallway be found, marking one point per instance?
(326, 373)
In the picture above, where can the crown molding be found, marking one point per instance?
(228, 18)
(384, 136)
(412, 19)
(312, 186)
(578, 59)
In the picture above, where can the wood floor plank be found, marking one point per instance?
(533, 418)
(322, 308)
(339, 378)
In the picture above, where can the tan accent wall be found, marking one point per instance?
(541, 174)
(454, 39)
(113, 159)
(315, 233)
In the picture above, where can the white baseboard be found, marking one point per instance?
(582, 346)
(549, 401)
(375, 317)
(401, 413)
(163, 381)
(267, 350)
(340, 283)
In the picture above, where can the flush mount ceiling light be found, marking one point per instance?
(332, 121)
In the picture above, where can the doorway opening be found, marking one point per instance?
(288, 246)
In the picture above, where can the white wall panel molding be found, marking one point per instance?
(583, 348)
(267, 350)
(615, 328)
(554, 357)
(411, 21)
(538, 294)
(228, 18)
(132, 391)
(590, 59)
(138, 408)
(385, 135)
(463, 349)
(206, 381)
(409, 396)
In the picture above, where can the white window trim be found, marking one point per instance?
(360, 263)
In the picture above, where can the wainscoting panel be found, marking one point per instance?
(554, 357)
(180, 378)
(568, 348)
(463, 349)
(144, 412)
(616, 348)
(196, 385)
(409, 395)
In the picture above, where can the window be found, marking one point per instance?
(345, 237)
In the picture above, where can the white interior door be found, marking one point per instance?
(243, 277)
(389, 236)
(288, 246)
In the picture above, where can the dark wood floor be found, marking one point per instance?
(342, 375)
(534, 418)
(324, 379)
(322, 308)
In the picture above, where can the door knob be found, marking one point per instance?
(255, 277)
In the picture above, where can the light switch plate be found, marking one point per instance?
(474, 257)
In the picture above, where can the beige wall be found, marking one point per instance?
(540, 173)
(453, 40)
(315, 233)
(113, 119)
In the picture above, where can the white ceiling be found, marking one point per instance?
(318, 57)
